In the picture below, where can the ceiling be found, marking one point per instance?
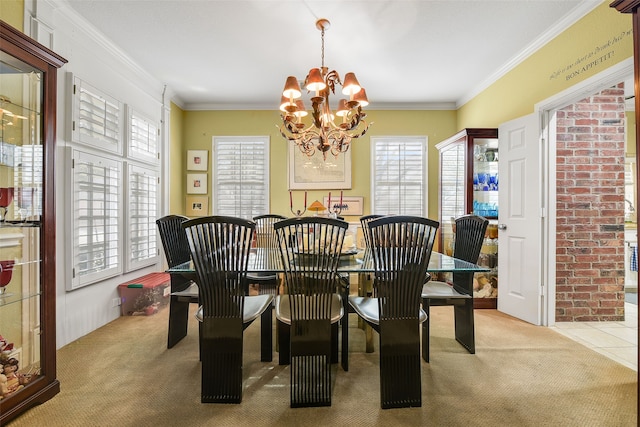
(214, 54)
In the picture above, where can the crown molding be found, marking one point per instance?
(571, 18)
(270, 107)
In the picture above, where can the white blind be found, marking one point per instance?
(142, 211)
(143, 138)
(97, 118)
(96, 183)
(27, 178)
(241, 176)
(452, 172)
(399, 175)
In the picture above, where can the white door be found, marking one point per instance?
(520, 219)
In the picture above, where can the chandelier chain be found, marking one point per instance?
(322, 52)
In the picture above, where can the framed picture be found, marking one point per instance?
(316, 173)
(197, 160)
(350, 205)
(197, 206)
(196, 183)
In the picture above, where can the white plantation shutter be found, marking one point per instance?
(144, 138)
(97, 118)
(27, 178)
(96, 183)
(452, 181)
(241, 176)
(142, 212)
(399, 175)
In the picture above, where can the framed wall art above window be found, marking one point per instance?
(316, 173)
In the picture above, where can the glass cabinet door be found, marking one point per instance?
(485, 177)
(21, 167)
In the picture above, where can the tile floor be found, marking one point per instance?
(616, 340)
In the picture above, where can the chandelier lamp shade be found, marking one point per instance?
(327, 131)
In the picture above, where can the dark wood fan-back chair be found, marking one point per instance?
(309, 312)
(184, 291)
(470, 233)
(220, 248)
(401, 248)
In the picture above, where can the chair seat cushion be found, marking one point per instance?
(190, 293)
(435, 289)
(283, 309)
(254, 306)
(367, 308)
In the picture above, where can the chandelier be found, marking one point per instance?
(323, 134)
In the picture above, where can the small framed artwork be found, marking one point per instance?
(197, 160)
(197, 206)
(196, 183)
(350, 205)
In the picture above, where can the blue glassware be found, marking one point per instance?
(493, 181)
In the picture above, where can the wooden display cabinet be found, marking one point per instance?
(27, 222)
(469, 184)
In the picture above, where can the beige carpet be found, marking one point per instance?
(521, 375)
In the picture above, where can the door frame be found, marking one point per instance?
(547, 110)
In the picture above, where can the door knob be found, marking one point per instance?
(502, 226)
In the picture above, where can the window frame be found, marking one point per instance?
(77, 280)
(423, 141)
(151, 227)
(215, 184)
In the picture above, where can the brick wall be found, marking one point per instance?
(590, 209)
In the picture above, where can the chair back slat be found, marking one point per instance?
(401, 248)
(470, 233)
(310, 249)
(266, 240)
(220, 249)
(174, 240)
(364, 222)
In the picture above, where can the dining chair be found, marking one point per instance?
(401, 248)
(365, 280)
(469, 236)
(266, 243)
(184, 291)
(220, 248)
(268, 283)
(309, 311)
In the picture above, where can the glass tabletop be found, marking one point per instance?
(359, 261)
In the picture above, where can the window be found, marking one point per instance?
(142, 212)
(143, 140)
(240, 176)
(96, 183)
(399, 175)
(97, 118)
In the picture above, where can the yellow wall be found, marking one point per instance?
(177, 156)
(200, 126)
(598, 41)
(630, 142)
(12, 12)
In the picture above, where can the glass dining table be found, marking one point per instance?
(357, 261)
(354, 261)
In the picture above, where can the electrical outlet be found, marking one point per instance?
(115, 302)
